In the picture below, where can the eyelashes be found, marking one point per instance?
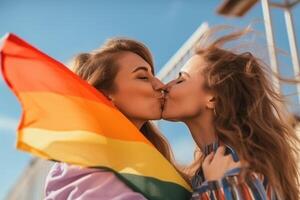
(143, 78)
(179, 80)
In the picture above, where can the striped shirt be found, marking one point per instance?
(231, 186)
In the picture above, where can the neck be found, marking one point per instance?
(202, 129)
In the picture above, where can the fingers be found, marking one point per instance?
(226, 160)
(208, 159)
(219, 155)
(220, 151)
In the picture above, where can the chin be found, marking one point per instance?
(156, 112)
(168, 116)
(171, 119)
(153, 114)
(157, 115)
(166, 113)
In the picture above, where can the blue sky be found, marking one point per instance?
(64, 28)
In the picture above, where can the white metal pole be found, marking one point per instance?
(270, 41)
(292, 42)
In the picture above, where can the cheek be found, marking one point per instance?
(182, 94)
(183, 102)
(138, 93)
(137, 101)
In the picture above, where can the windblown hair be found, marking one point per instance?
(100, 67)
(250, 115)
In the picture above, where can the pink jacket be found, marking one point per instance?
(67, 182)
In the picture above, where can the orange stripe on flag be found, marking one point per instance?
(57, 112)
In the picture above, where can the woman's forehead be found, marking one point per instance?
(130, 61)
(194, 64)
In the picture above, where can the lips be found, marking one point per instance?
(162, 102)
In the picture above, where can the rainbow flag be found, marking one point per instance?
(67, 120)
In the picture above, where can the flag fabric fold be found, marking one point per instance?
(67, 120)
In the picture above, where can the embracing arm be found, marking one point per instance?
(231, 187)
(223, 181)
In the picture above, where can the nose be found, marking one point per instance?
(168, 86)
(157, 84)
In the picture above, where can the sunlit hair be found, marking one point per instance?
(250, 115)
(100, 67)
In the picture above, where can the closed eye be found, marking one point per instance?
(180, 78)
(143, 78)
(179, 81)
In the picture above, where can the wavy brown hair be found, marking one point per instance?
(251, 115)
(100, 67)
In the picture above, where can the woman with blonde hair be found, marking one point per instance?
(230, 106)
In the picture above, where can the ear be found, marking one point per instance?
(211, 101)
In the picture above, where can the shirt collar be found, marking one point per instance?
(212, 147)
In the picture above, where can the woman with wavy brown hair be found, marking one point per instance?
(122, 69)
(227, 100)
